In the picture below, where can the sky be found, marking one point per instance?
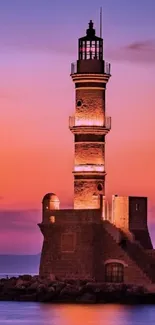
(38, 43)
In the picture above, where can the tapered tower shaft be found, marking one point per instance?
(90, 124)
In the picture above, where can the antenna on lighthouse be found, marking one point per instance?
(101, 22)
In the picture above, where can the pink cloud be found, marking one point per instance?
(139, 52)
(19, 232)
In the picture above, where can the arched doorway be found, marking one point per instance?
(114, 272)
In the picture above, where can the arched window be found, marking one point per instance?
(114, 272)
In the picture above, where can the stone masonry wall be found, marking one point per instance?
(137, 213)
(67, 265)
(121, 212)
(89, 153)
(85, 194)
(72, 216)
(151, 252)
(80, 263)
(132, 273)
(93, 103)
(93, 247)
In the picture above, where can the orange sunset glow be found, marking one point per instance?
(37, 154)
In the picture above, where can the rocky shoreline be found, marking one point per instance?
(34, 288)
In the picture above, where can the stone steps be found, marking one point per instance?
(138, 254)
(134, 251)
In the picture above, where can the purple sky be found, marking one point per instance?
(37, 45)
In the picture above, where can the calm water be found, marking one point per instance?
(25, 313)
(10, 275)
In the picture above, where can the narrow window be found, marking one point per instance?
(137, 206)
(114, 272)
(52, 219)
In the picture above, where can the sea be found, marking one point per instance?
(26, 313)
(10, 275)
(32, 313)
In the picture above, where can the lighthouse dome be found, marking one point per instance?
(51, 201)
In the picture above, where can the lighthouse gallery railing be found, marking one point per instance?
(76, 121)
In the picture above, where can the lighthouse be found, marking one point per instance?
(90, 124)
(83, 243)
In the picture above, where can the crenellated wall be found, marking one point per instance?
(69, 244)
(79, 243)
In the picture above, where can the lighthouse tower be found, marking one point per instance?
(90, 124)
(82, 243)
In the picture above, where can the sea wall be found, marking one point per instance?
(28, 288)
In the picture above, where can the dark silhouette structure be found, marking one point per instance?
(96, 240)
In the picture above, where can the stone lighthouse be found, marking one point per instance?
(90, 124)
(83, 243)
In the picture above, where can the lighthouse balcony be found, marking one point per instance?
(91, 67)
(89, 168)
(77, 124)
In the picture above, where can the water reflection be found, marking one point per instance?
(14, 313)
(101, 314)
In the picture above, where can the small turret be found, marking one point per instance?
(50, 202)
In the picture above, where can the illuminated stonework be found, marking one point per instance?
(95, 121)
(95, 241)
(90, 123)
(52, 219)
(51, 202)
(89, 168)
(87, 121)
(84, 193)
(89, 153)
(120, 212)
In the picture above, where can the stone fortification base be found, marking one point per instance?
(28, 288)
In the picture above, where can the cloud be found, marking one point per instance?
(136, 52)
(38, 42)
(19, 221)
(19, 233)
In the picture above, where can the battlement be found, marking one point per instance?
(72, 216)
(129, 213)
